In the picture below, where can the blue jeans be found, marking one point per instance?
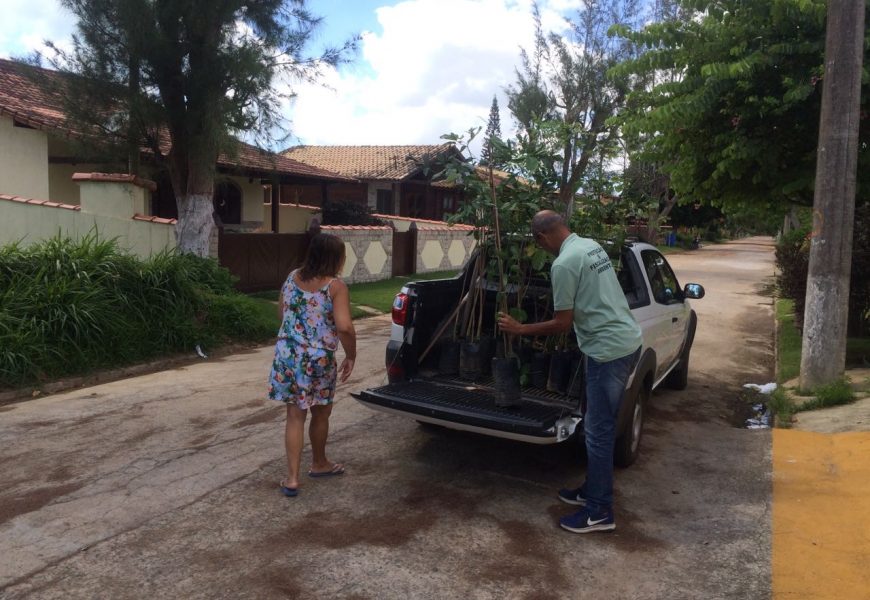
(605, 387)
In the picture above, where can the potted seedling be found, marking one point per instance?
(502, 206)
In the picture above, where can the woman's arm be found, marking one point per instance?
(344, 325)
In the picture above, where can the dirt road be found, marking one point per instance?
(165, 486)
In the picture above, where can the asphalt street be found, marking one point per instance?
(165, 485)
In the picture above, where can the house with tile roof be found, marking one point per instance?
(40, 150)
(394, 180)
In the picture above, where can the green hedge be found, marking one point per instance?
(793, 259)
(71, 306)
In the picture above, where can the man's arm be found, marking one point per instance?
(562, 321)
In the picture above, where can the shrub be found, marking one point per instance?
(714, 234)
(685, 240)
(781, 405)
(69, 306)
(792, 260)
(349, 213)
(832, 394)
(859, 287)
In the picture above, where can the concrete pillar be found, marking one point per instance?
(113, 194)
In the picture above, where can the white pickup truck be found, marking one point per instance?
(417, 390)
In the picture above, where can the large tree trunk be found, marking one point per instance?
(656, 216)
(193, 180)
(195, 223)
(823, 353)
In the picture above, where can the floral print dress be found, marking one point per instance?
(304, 370)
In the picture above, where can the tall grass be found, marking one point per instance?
(788, 342)
(70, 306)
(833, 394)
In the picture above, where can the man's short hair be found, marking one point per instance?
(546, 221)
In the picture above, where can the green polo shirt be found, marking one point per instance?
(583, 279)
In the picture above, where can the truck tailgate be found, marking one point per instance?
(468, 405)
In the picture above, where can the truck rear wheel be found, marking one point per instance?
(627, 446)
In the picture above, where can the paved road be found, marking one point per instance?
(164, 485)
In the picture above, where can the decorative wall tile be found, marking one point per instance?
(432, 254)
(375, 258)
(456, 253)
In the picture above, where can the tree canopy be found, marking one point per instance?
(493, 130)
(736, 125)
(569, 83)
(197, 71)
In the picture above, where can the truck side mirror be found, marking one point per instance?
(694, 291)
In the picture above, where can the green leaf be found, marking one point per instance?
(519, 314)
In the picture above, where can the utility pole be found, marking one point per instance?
(823, 356)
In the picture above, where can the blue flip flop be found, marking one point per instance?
(288, 491)
(337, 469)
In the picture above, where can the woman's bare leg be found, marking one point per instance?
(318, 430)
(294, 437)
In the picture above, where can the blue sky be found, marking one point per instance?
(425, 67)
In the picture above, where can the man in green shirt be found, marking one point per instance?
(587, 296)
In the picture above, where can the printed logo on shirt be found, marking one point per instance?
(600, 263)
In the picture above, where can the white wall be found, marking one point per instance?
(30, 223)
(252, 198)
(61, 187)
(23, 161)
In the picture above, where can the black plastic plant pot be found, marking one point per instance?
(560, 372)
(540, 369)
(576, 380)
(448, 362)
(470, 360)
(487, 351)
(506, 381)
(527, 354)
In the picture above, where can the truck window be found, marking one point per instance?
(662, 280)
(631, 281)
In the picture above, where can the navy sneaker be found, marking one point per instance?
(574, 497)
(585, 522)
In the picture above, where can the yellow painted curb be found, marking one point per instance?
(821, 515)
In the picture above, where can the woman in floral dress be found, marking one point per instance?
(315, 311)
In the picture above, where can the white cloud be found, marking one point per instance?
(27, 23)
(433, 70)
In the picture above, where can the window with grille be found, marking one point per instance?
(385, 202)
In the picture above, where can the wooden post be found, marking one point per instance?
(412, 245)
(276, 200)
(823, 356)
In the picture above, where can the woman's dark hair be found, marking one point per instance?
(324, 257)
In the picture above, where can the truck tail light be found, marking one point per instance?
(400, 309)
(395, 372)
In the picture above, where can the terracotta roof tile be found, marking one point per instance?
(31, 96)
(24, 97)
(116, 178)
(305, 206)
(443, 224)
(251, 157)
(36, 202)
(150, 219)
(393, 163)
(347, 227)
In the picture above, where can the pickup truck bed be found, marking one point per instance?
(470, 404)
(417, 390)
